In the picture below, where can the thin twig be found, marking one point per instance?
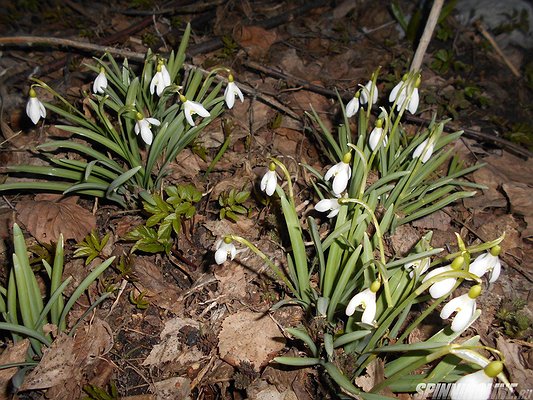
(497, 48)
(431, 23)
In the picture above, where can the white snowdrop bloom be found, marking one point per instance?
(353, 106)
(367, 301)
(34, 108)
(100, 82)
(160, 80)
(144, 127)
(270, 180)
(331, 205)
(442, 287)
(418, 266)
(400, 93)
(365, 93)
(464, 305)
(477, 385)
(341, 173)
(224, 248)
(232, 91)
(375, 136)
(487, 262)
(424, 150)
(193, 107)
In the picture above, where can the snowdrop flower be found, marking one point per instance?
(331, 205)
(418, 267)
(100, 83)
(365, 93)
(193, 107)
(465, 305)
(367, 300)
(143, 125)
(161, 79)
(353, 105)
(444, 286)
(270, 180)
(425, 150)
(224, 248)
(375, 136)
(34, 108)
(400, 94)
(340, 173)
(232, 91)
(487, 262)
(477, 385)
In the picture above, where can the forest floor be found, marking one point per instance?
(182, 326)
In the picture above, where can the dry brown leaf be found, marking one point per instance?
(237, 346)
(151, 280)
(232, 280)
(375, 374)
(404, 238)
(56, 366)
(173, 389)
(62, 366)
(171, 349)
(12, 354)
(513, 353)
(437, 220)
(521, 198)
(46, 219)
(254, 39)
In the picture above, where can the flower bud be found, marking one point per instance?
(374, 287)
(474, 291)
(458, 263)
(347, 158)
(496, 250)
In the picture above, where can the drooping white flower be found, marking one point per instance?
(477, 385)
(270, 180)
(425, 150)
(487, 262)
(160, 80)
(232, 91)
(367, 301)
(331, 205)
(100, 82)
(464, 305)
(224, 248)
(144, 127)
(442, 287)
(341, 173)
(365, 93)
(418, 267)
(353, 106)
(34, 108)
(375, 136)
(406, 91)
(193, 107)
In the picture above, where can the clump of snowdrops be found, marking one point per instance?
(366, 303)
(133, 126)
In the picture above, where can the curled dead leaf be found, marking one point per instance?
(254, 39)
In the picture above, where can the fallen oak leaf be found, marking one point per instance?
(46, 219)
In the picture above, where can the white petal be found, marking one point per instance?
(375, 135)
(421, 150)
(188, 117)
(394, 92)
(369, 315)
(479, 266)
(221, 255)
(146, 134)
(475, 386)
(271, 184)
(232, 250)
(153, 121)
(325, 205)
(464, 315)
(452, 306)
(229, 96)
(441, 288)
(495, 270)
(165, 76)
(332, 171)
(137, 127)
(341, 179)
(413, 103)
(354, 303)
(333, 212)
(352, 107)
(153, 83)
(199, 109)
